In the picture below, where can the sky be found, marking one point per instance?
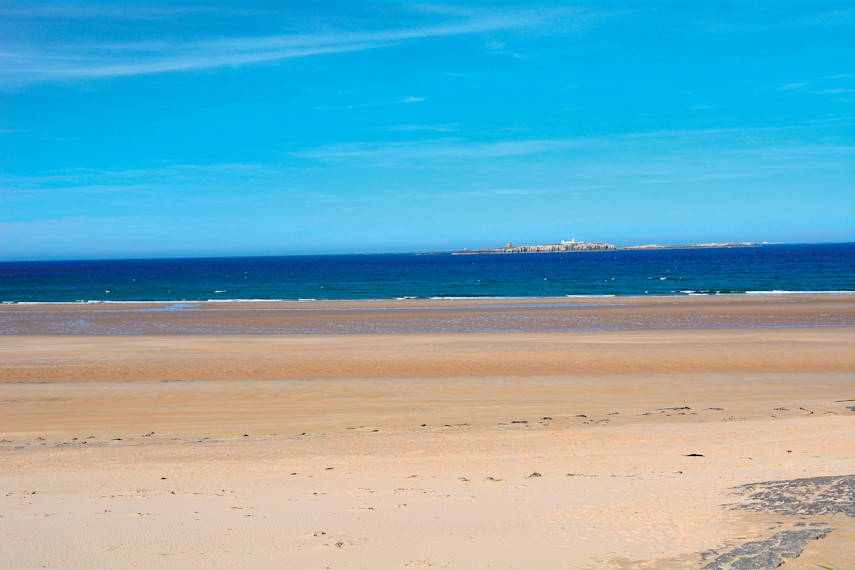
(309, 127)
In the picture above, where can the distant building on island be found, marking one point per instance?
(573, 245)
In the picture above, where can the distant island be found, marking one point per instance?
(573, 245)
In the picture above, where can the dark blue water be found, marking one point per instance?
(811, 267)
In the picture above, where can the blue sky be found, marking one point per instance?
(194, 129)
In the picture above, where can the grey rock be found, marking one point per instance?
(763, 554)
(808, 496)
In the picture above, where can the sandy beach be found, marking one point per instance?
(678, 432)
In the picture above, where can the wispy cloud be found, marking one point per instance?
(83, 11)
(838, 84)
(105, 181)
(395, 153)
(666, 158)
(86, 60)
(760, 19)
(423, 128)
(404, 101)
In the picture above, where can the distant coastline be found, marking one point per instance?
(574, 246)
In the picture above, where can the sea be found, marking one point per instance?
(766, 269)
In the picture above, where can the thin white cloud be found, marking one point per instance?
(677, 158)
(423, 128)
(832, 91)
(83, 11)
(449, 149)
(829, 85)
(404, 101)
(86, 60)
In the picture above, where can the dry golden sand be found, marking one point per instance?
(458, 450)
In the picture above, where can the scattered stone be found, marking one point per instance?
(693, 455)
(535, 474)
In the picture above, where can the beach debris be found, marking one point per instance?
(534, 474)
(693, 455)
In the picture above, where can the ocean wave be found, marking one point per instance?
(196, 302)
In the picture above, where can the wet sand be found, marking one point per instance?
(532, 449)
